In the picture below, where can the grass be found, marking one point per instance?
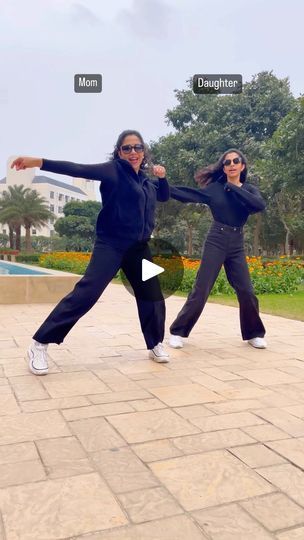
(290, 306)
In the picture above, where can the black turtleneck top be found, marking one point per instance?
(229, 204)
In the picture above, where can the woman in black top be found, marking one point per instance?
(231, 200)
(124, 226)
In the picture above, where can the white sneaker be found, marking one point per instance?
(37, 358)
(258, 342)
(176, 342)
(158, 354)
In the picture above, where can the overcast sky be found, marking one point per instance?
(144, 49)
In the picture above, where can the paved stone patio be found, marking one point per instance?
(112, 446)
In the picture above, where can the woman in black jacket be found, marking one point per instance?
(123, 229)
(231, 199)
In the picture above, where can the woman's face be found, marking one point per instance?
(231, 169)
(134, 156)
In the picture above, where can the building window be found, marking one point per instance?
(52, 207)
(34, 231)
(59, 209)
(66, 198)
(60, 197)
(4, 231)
(52, 194)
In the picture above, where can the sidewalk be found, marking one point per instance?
(112, 446)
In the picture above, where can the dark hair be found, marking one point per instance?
(146, 161)
(215, 173)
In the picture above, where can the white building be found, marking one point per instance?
(56, 193)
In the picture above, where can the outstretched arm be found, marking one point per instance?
(188, 194)
(249, 195)
(100, 171)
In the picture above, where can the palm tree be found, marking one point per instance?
(34, 213)
(22, 206)
(10, 212)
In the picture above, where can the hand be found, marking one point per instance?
(159, 171)
(24, 162)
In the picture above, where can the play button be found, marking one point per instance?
(149, 270)
(153, 269)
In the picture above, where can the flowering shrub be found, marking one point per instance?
(278, 276)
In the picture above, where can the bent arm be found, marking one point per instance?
(99, 171)
(188, 194)
(162, 189)
(250, 196)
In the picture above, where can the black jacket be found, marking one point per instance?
(128, 199)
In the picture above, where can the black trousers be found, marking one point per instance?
(224, 245)
(104, 264)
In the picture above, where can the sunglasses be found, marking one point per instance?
(235, 160)
(127, 148)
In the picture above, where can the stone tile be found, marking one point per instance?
(230, 522)
(59, 508)
(294, 534)
(123, 470)
(209, 479)
(28, 387)
(193, 411)
(275, 511)
(257, 455)
(14, 453)
(32, 426)
(245, 393)
(227, 421)
(158, 382)
(49, 404)
(173, 528)
(187, 394)
(211, 383)
(120, 396)
(156, 450)
(147, 404)
(220, 374)
(73, 384)
(96, 434)
(21, 473)
(148, 426)
(8, 404)
(234, 406)
(268, 377)
(54, 451)
(265, 432)
(212, 440)
(148, 504)
(296, 410)
(283, 420)
(96, 410)
(287, 478)
(291, 449)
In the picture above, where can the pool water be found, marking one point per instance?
(15, 270)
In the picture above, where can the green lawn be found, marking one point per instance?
(290, 306)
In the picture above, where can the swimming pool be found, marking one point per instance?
(18, 270)
(24, 284)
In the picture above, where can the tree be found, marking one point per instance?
(78, 225)
(206, 126)
(22, 206)
(10, 213)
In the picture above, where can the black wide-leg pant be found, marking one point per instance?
(224, 245)
(104, 264)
